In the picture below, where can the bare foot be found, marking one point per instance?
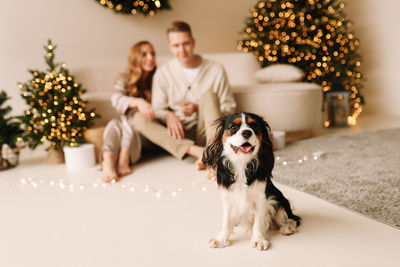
(123, 170)
(211, 174)
(123, 162)
(197, 152)
(108, 166)
(200, 164)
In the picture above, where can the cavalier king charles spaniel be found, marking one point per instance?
(241, 154)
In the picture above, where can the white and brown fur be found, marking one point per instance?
(241, 154)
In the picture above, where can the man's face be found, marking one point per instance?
(181, 45)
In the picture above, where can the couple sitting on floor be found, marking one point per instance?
(172, 108)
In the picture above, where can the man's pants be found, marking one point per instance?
(157, 133)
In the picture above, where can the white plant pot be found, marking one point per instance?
(81, 157)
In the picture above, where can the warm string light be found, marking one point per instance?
(64, 185)
(314, 36)
(284, 162)
(146, 7)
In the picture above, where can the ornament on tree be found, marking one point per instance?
(315, 36)
(132, 7)
(56, 112)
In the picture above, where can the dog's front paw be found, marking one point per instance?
(259, 243)
(216, 243)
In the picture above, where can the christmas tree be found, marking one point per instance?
(313, 35)
(57, 114)
(10, 133)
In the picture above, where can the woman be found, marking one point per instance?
(132, 93)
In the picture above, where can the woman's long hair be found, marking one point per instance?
(137, 84)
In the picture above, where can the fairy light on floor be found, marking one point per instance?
(284, 162)
(65, 185)
(158, 193)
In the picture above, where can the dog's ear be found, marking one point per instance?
(266, 155)
(213, 150)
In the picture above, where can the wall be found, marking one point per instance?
(87, 33)
(376, 25)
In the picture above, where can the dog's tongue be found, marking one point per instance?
(246, 147)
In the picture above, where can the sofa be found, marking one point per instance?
(292, 107)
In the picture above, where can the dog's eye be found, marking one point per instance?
(234, 128)
(254, 126)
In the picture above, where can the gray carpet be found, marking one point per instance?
(359, 171)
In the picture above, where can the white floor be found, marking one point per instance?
(163, 215)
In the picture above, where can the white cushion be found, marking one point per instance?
(279, 73)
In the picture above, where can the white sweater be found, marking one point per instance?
(171, 88)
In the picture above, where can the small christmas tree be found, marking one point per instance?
(56, 113)
(10, 133)
(313, 35)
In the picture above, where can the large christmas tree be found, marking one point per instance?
(57, 114)
(313, 35)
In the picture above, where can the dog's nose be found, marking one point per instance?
(246, 134)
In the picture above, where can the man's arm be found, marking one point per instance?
(159, 102)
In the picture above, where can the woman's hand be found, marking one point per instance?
(144, 108)
(176, 128)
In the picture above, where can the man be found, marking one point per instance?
(188, 94)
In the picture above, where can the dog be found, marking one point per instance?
(241, 155)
